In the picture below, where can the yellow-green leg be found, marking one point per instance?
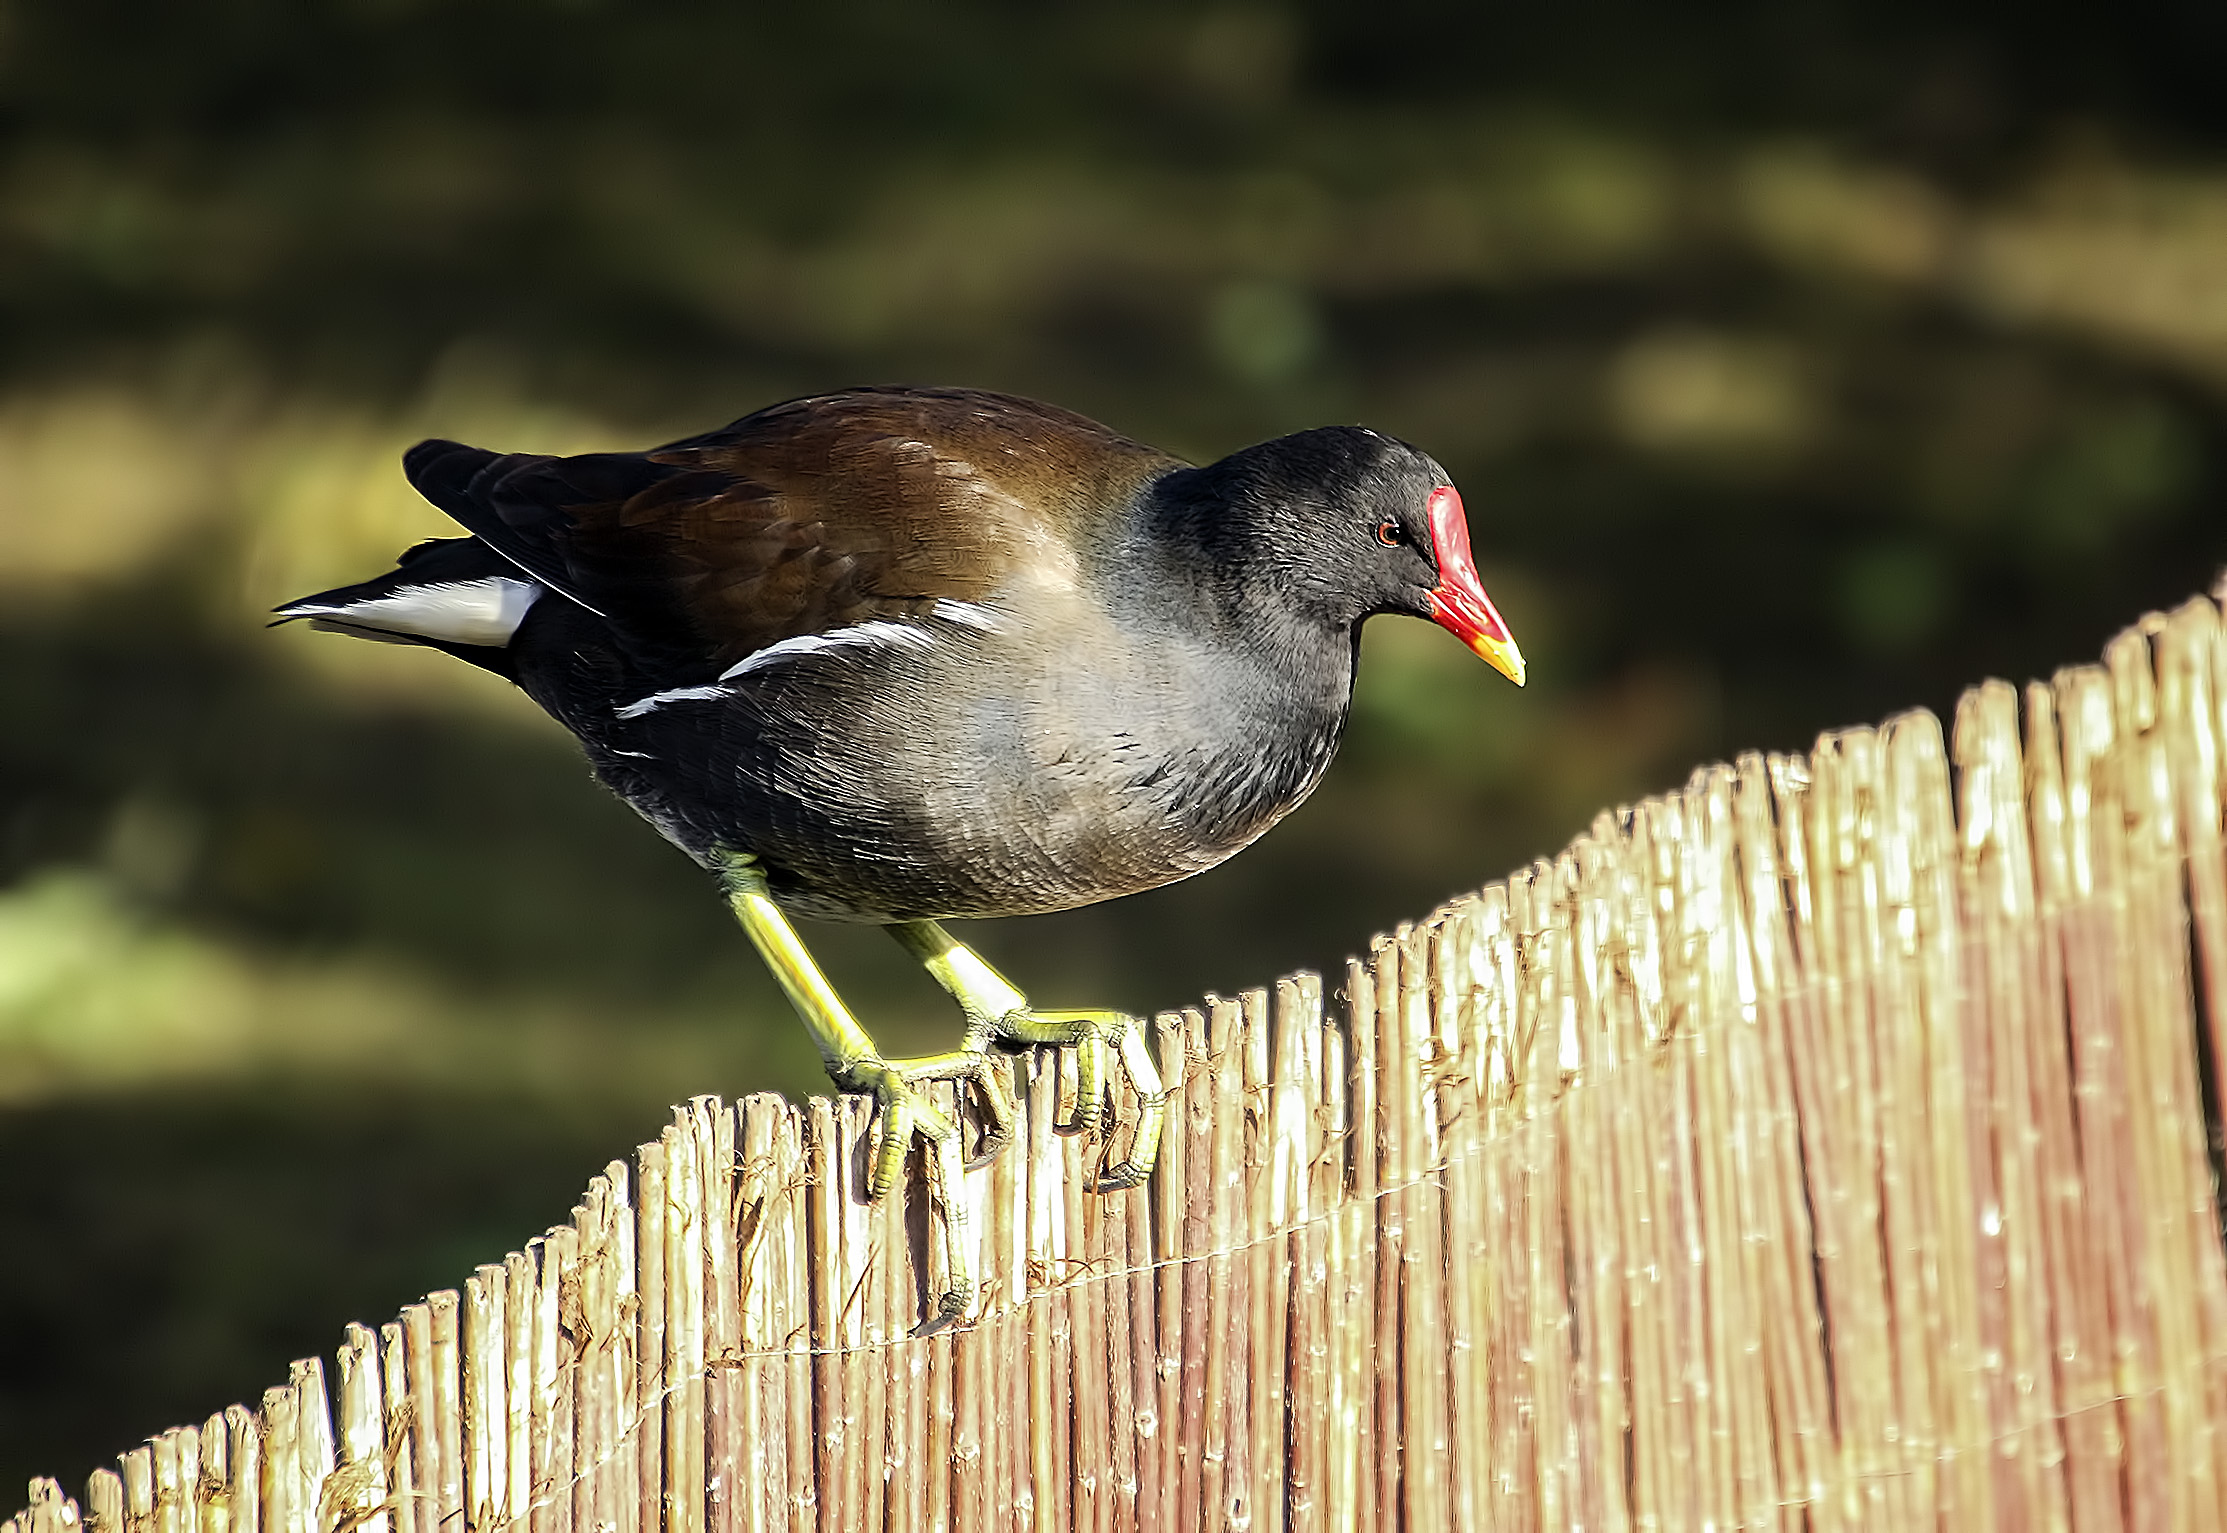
(997, 1012)
(854, 1063)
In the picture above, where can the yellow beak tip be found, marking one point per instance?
(1504, 657)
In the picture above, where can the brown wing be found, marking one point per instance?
(805, 516)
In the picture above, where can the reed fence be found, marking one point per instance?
(1831, 1143)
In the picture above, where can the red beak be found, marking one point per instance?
(1460, 604)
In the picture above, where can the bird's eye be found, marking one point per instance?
(1390, 533)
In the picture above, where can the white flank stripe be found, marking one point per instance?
(905, 635)
(482, 612)
(968, 614)
(880, 631)
(657, 700)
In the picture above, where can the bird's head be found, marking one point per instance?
(1353, 523)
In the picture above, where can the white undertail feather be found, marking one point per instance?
(481, 612)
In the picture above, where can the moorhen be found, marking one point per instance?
(899, 655)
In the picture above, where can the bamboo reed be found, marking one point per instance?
(1829, 1142)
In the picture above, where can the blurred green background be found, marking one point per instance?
(1799, 360)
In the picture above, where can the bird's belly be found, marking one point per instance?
(964, 843)
(865, 818)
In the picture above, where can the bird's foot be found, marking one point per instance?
(903, 1112)
(1097, 1037)
(905, 1109)
(998, 1013)
(855, 1064)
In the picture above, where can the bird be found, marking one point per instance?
(908, 655)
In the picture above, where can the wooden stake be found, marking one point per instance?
(357, 1493)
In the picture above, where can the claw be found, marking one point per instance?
(1152, 1112)
(1144, 1147)
(950, 1195)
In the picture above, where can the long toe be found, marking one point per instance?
(905, 1112)
(1144, 1147)
(957, 1288)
